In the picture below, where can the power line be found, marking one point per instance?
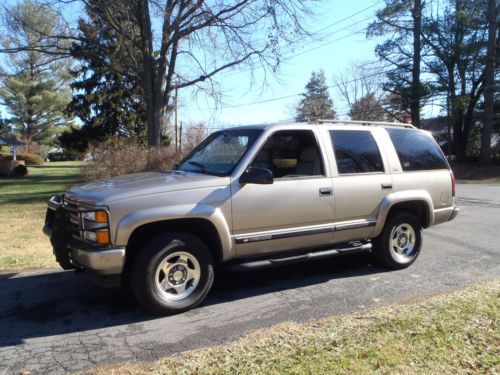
(318, 38)
(349, 17)
(303, 53)
(280, 97)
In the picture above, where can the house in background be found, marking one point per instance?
(7, 165)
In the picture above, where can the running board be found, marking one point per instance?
(272, 262)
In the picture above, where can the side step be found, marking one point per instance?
(320, 254)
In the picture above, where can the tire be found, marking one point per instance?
(172, 273)
(398, 251)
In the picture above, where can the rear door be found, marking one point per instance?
(361, 179)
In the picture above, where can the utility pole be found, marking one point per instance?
(489, 82)
(175, 120)
(180, 138)
(417, 51)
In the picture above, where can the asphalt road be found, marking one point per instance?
(53, 321)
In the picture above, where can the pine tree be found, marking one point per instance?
(316, 102)
(34, 90)
(109, 98)
(401, 22)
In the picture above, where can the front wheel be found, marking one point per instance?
(399, 244)
(172, 273)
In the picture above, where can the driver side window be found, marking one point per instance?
(291, 153)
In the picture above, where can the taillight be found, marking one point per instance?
(453, 184)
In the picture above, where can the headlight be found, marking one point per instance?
(100, 237)
(96, 227)
(97, 216)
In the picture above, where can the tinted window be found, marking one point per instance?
(417, 150)
(356, 152)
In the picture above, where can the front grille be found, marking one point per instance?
(75, 219)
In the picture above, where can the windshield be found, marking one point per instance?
(220, 152)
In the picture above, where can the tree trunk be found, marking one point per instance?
(460, 141)
(153, 111)
(485, 156)
(415, 85)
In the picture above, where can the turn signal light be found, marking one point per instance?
(101, 216)
(102, 237)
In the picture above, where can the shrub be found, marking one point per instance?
(20, 171)
(29, 158)
(66, 155)
(119, 156)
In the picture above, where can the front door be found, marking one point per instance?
(294, 212)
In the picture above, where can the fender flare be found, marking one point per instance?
(400, 197)
(130, 222)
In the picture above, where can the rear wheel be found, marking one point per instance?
(172, 273)
(399, 244)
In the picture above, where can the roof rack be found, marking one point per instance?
(365, 123)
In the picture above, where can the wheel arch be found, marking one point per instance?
(417, 202)
(202, 228)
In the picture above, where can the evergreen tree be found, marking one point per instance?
(401, 21)
(316, 102)
(108, 98)
(3, 127)
(457, 39)
(34, 89)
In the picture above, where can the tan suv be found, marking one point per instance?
(256, 196)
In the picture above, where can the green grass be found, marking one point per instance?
(456, 333)
(22, 212)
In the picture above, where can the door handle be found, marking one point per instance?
(386, 186)
(324, 192)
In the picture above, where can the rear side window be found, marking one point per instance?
(416, 150)
(356, 152)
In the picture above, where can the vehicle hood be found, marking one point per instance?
(102, 192)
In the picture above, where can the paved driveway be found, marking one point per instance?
(53, 321)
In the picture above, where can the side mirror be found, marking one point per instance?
(254, 175)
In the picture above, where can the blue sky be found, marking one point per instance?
(344, 45)
(343, 25)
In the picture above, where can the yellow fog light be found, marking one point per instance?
(102, 237)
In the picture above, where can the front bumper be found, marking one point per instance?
(103, 262)
(74, 253)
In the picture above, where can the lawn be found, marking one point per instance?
(22, 212)
(455, 333)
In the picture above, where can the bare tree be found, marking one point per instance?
(199, 39)
(186, 43)
(360, 81)
(193, 135)
(368, 108)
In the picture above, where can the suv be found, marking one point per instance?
(256, 196)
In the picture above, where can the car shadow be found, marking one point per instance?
(55, 303)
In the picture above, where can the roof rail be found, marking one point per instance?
(395, 124)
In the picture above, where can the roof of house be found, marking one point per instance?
(10, 140)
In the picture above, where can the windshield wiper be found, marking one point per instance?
(202, 167)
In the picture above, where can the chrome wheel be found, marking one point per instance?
(177, 275)
(402, 242)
